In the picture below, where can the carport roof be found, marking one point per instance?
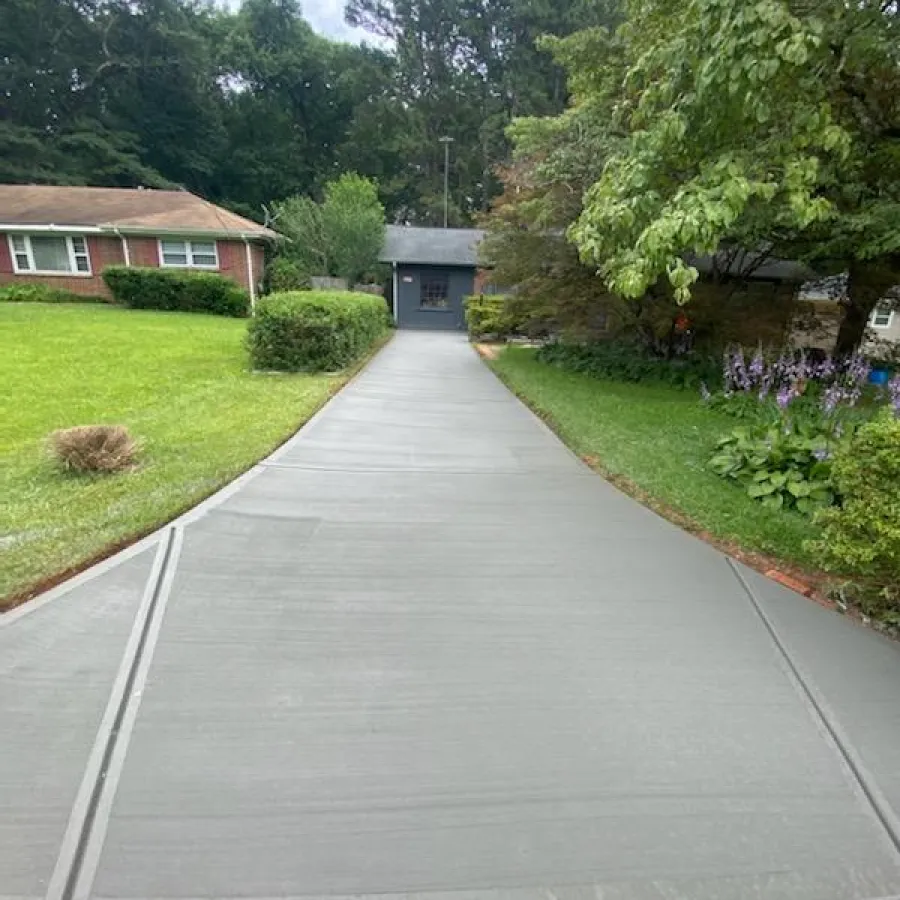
(431, 246)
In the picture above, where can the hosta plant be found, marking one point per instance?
(783, 466)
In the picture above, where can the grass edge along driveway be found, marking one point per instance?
(179, 381)
(655, 439)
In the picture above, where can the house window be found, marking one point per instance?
(189, 254)
(43, 254)
(882, 317)
(434, 292)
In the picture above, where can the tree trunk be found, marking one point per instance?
(868, 282)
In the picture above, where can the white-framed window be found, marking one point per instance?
(187, 254)
(50, 254)
(882, 317)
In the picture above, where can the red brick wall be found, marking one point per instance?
(105, 251)
(233, 261)
(143, 251)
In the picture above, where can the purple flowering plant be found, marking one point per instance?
(801, 410)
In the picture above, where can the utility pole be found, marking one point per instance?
(446, 141)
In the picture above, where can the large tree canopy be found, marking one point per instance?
(464, 69)
(773, 125)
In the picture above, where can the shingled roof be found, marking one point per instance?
(124, 209)
(431, 246)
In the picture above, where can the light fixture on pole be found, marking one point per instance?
(446, 141)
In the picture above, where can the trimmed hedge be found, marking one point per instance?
(177, 290)
(35, 292)
(314, 331)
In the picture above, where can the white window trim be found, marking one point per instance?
(74, 272)
(886, 325)
(189, 252)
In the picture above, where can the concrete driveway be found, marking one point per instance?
(424, 651)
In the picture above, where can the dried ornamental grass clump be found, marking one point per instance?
(94, 448)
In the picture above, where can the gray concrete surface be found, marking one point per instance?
(423, 651)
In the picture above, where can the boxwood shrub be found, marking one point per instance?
(284, 274)
(489, 315)
(314, 331)
(35, 292)
(176, 290)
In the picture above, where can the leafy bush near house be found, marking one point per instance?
(283, 274)
(174, 290)
(340, 237)
(43, 293)
(783, 467)
(314, 331)
(862, 535)
(486, 315)
(504, 316)
(620, 361)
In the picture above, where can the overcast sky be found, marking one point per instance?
(326, 17)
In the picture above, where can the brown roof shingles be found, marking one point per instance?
(122, 208)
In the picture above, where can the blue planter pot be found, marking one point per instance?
(879, 377)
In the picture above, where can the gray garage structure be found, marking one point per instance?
(434, 269)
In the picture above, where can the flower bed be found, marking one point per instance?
(800, 412)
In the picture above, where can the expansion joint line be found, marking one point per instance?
(79, 856)
(826, 718)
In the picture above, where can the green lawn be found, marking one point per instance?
(179, 382)
(659, 439)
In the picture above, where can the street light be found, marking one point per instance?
(446, 141)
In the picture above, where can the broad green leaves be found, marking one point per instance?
(726, 118)
(778, 465)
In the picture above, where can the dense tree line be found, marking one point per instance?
(250, 106)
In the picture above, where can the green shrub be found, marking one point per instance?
(782, 465)
(862, 535)
(502, 316)
(283, 274)
(35, 292)
(488, 315)
(314, 331)
(620, 361)
(177, 290)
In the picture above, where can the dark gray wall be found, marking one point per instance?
(411, 314)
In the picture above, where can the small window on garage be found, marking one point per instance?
(435, 292)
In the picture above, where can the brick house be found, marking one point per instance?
(66, 236)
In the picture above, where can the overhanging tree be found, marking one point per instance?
(754, 125)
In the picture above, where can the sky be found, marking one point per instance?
(327, 17)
